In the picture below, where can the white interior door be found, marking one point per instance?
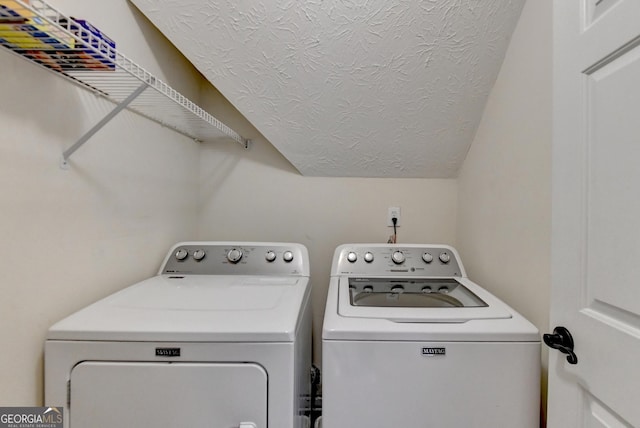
(168, 395)
(596, 213)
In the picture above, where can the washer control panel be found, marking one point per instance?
(394, 259)
(240, 258)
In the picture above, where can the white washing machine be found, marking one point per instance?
(409, 341)
(220, 338)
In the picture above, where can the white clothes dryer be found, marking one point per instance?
(409, 341)
(221, 337)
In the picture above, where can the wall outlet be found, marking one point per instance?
(393, 212)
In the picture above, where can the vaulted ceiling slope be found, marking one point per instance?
(360, 88)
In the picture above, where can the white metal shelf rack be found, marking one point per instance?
(88, 60)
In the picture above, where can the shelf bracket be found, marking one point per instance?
(71, 150)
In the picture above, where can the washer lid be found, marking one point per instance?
(193, 308)
(405, 299)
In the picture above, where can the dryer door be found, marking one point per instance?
(167, 395)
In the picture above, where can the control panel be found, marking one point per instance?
(391, 259)
(240, 258)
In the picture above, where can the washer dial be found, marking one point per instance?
(445, 257)
(368, 257)
(398, 257)
(352, 257)
(287, 256)
(427, 257)
(234, 255)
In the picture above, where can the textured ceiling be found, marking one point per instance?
(364, 88)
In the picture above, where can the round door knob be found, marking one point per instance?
(398, 257)
(445, 257)
(199, 255)
(368, 257)
(352, 257)
(181, 254)
(287, 256)
(427, 257)
(270, 256)
(234, 255)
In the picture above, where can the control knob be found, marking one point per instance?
(368, 257)
(234, 255)
(445, 257)
(427, 257)
(198, 255)
(287, 256)
(398, 257)
(270, 256)
(352, 257)
(181, 254)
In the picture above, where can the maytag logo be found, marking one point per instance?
(432, 352)
(167, 352)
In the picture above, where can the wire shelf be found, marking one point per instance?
(74, 49)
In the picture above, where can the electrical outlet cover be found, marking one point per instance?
(393, 212)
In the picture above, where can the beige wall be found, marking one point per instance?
(504, 199)
(71, 237)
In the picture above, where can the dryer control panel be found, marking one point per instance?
(237, 258)
(397, 260)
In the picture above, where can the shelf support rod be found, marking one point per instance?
(90, 133)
